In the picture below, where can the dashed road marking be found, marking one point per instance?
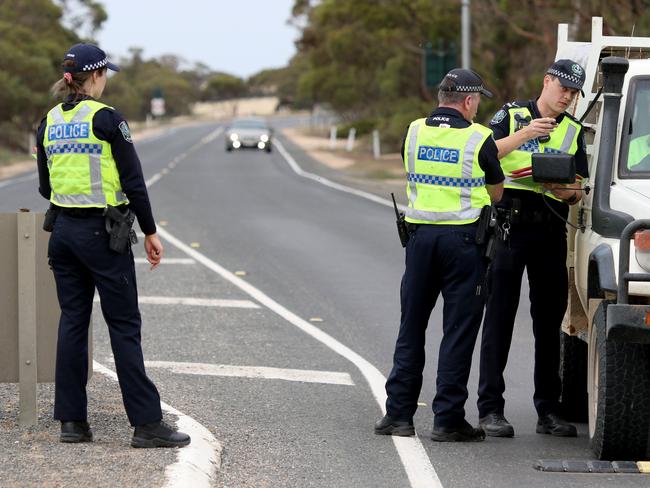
(415, 459)
(205, 140)
(197, 464)
(300, 375)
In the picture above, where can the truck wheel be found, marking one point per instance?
(619, 394)
(573, 372)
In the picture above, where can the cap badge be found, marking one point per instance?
(577, 69)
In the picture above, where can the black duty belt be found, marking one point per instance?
(82, 212)
(537, 217)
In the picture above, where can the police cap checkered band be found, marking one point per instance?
(568, 72)
(87, 57)
(465, 81)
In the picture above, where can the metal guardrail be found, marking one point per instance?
(29, 309)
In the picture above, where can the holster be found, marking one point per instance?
(120, 229)
(50, 217)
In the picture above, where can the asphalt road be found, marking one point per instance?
(325, 255)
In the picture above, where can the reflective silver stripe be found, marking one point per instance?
(81, 114)
(568, 138)
(120, 196)
(411, 161)
(464, 214)
(468, 166)
(57, 115)
(96, 188)
(79, 200)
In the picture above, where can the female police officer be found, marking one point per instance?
(87, 163)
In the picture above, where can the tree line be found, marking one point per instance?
(364, 58)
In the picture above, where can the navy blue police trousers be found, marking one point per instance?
(541, 250)
(82, 261)
(440, 259)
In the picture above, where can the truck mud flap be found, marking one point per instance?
(628, 323)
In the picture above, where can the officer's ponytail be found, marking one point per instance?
(70, 83)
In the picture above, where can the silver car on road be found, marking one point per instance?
(249, 132)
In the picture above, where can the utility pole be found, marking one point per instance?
(466, 27)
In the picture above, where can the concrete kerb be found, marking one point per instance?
(196, 465)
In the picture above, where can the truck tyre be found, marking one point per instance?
(573, 372)
(619, 394)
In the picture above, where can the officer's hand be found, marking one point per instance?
(154, 249)
(559, 190)
(540, 127)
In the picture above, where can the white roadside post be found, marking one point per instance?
(351, 135)
(333, 137)
(376, 147)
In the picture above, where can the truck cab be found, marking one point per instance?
(606, 332)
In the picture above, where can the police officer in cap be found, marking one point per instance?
(86, 162)
(537, 243)
(452, 172)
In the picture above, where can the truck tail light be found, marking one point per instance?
(642, 249)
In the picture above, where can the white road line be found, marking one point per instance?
(197, 464)
(205, 140)
(414, 458)
(196, 302)
(416, 462)
(324, 181)
(167, 261)
(300, 375)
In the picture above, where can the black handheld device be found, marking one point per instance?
(402, 230)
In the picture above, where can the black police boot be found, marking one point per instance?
(555, 425)
(496, 425)
(464, 433)
(158, 434)
(388, 426)
(76, 432)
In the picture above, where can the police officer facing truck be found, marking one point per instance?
(91, 174)
(452, 172)
(537, 242)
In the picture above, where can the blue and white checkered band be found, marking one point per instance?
(446, 180)
(94, 66)
(531, 146)
(561, 74)
(73, 147)
(465, 88)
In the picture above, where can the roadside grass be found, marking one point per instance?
(8, 156)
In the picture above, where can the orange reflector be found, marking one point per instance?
(647, 318)
(642, 240)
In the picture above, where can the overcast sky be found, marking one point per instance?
(240, 37)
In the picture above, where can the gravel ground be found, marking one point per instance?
(34, 457)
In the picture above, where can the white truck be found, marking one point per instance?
(605, 336)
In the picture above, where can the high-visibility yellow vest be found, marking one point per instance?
(445, 183)
(564, 139)
(82, 170)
